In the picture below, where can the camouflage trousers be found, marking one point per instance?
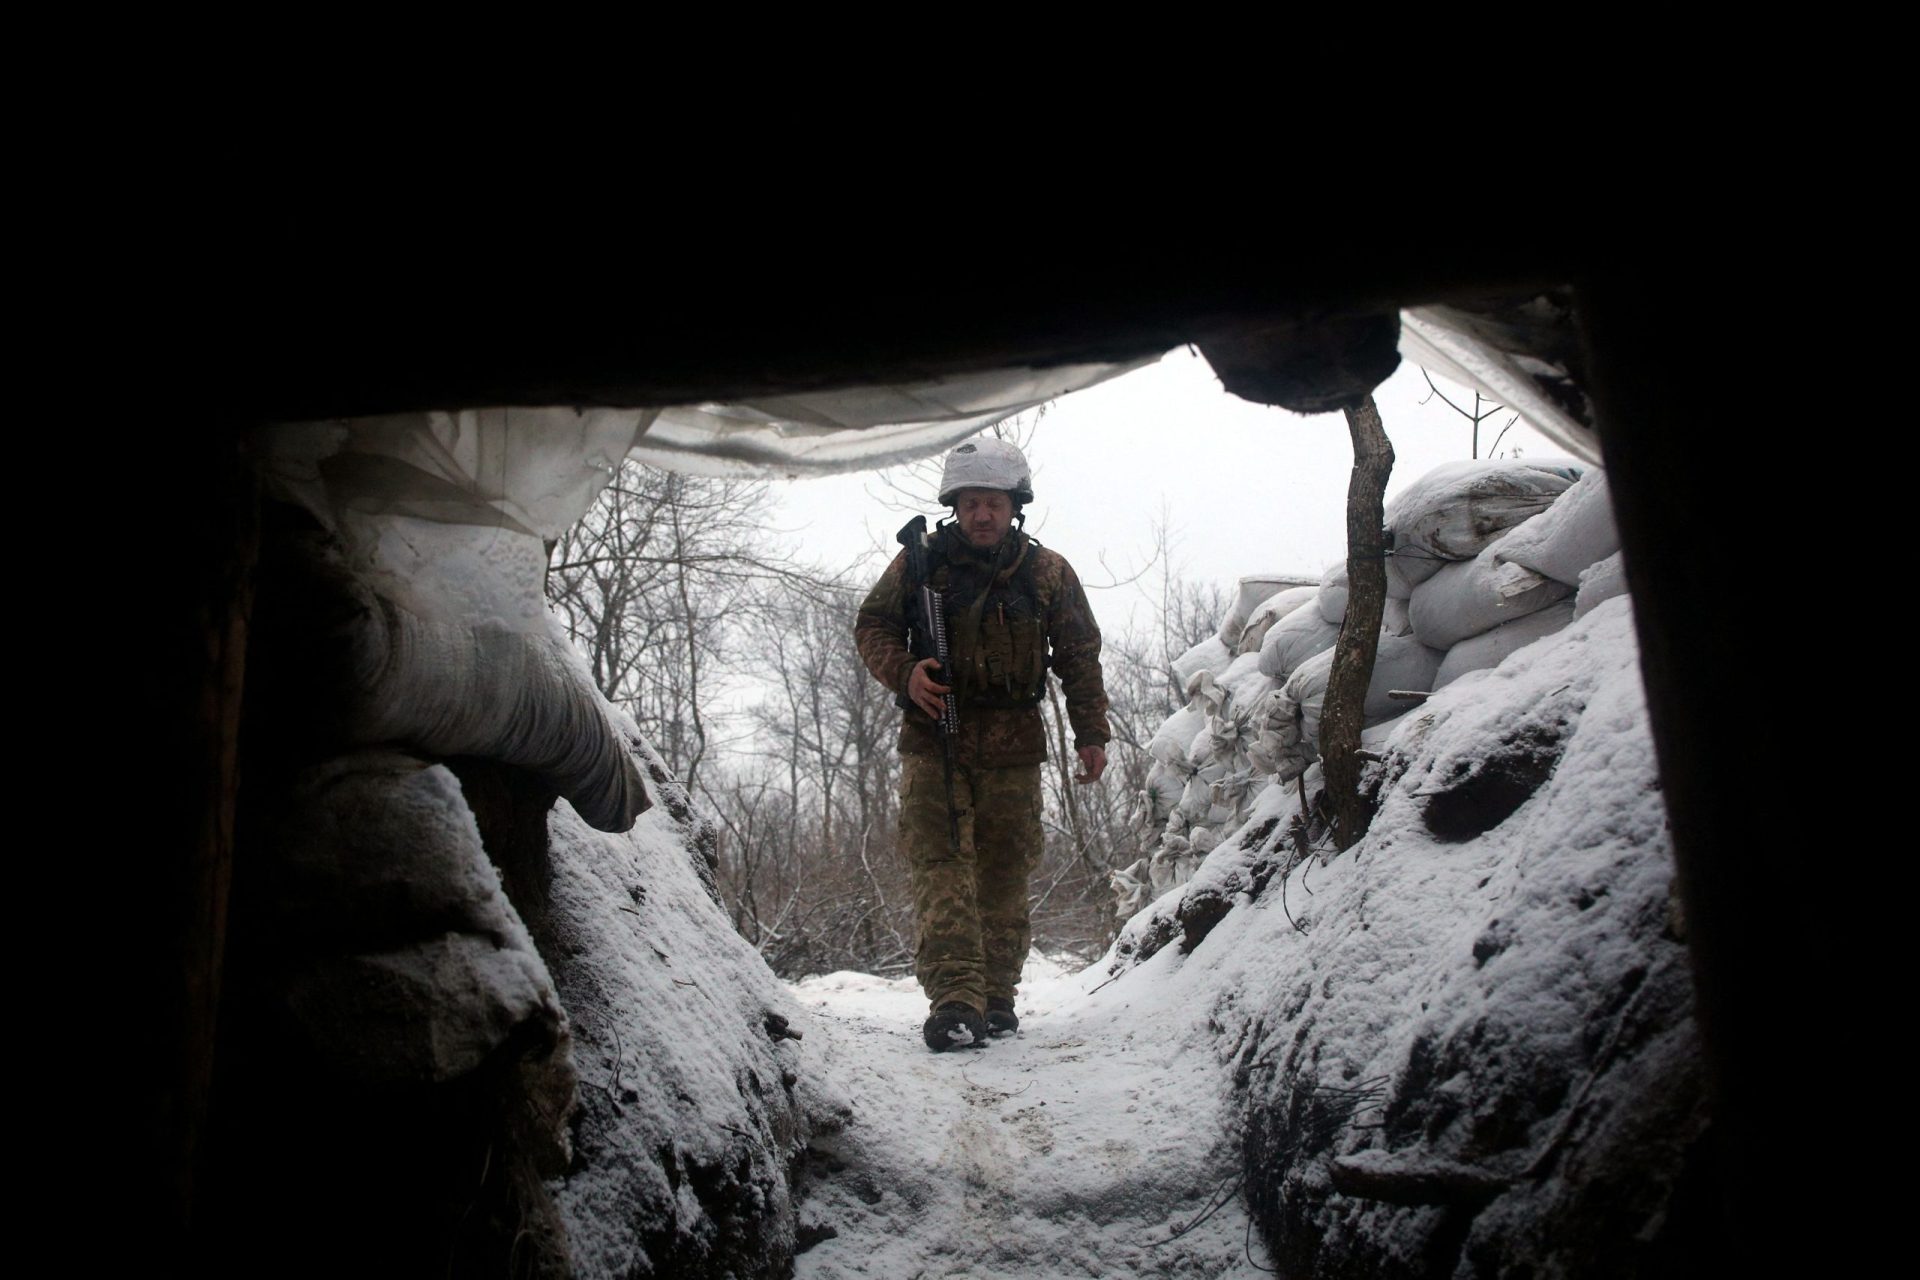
(971, 909)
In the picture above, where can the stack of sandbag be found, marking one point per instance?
(1486, 557)
(1528, 582)
(1271, 610)
(1288, 722)
(1202, 782)
(1295, 637)
(1253, 591)
(1457, 510)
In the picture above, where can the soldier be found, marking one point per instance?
(1014, 610)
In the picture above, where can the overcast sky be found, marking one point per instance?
(1244, 488)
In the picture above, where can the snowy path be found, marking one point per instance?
(1069, 1149)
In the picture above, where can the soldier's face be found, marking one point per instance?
(984, 515)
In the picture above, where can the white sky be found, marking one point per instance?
(1244, 488)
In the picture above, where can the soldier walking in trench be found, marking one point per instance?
(1013, 610)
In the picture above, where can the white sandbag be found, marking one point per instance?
(1454, 511)
(1602, 581)
(1275, 748)
(1170, 741)
(1212, 654)
(1196, 801)
(1271, 610)
(1253, 589)
(1490, 648)
(1287, 723)
(1473, 596)
(1332, 600)
(1243, 681)
(1130, 889)
(1164, 786)
(1294, 639)
(1401, 662)
(1570, 536)
(1397, 619)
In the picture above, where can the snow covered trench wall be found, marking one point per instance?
(485, 1012)
(1466, 1046)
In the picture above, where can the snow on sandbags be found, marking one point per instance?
(1600, 582)
(1490, 648)
(1473, 596)
(1332, 600)
(1212, 654)
(1294, 639)
(1454, 511)
(1574, 533)
(1271, 610)
(1253, 590)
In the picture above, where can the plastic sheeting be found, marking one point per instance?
(1430, 338)
(854, 428)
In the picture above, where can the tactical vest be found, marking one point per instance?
(996, 634)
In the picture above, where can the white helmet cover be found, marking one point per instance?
(989, 463)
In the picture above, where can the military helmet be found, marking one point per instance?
(987, 463)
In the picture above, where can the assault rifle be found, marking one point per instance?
(927, 638)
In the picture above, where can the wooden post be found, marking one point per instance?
(1344, 712)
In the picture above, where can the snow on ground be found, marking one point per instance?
(1082, 1145)
(1488, 988)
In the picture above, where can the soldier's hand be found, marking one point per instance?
(1093, 763)
(925, 692)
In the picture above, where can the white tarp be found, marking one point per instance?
(857, 428)
(1433, 339)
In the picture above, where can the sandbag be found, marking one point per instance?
(1570, 536)
(1170, 741)
(1269, 611)
(1397, 618)
(1294, 639)
(1243, 681)
(1253, 589)
(1454, 511)
(1401, 662)
(1286, 724)
(1164, 786)
(1212, 654)
(1601, 582)
(1332, 600)
(1490, 648)
(1475, 596)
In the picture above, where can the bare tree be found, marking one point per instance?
(652, 586)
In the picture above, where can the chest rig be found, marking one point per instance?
(996, 632)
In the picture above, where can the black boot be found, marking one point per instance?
(955, 1026)
(1001, 1019)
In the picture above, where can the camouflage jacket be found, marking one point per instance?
(999, 657)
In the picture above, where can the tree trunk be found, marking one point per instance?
(1344, 712)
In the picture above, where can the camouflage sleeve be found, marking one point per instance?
(880, 628)
(1074, 638)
